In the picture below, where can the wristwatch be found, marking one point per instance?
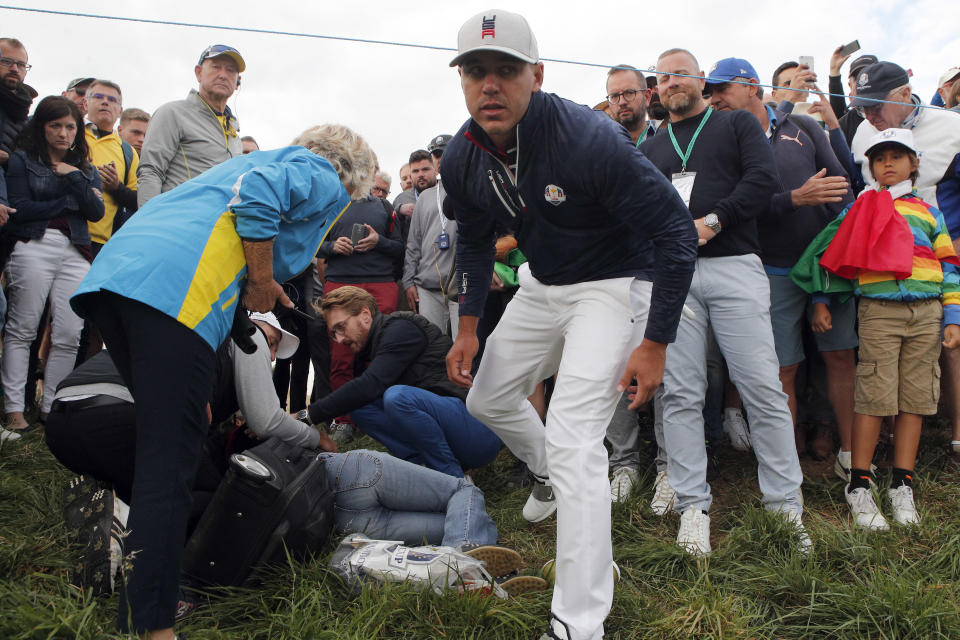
(304, 416)
(712, 220)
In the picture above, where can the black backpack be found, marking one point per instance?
(274, 500)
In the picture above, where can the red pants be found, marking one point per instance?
(341, 358)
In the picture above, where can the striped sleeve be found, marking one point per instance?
(943, 248)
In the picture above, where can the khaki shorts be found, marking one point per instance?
(898, 369)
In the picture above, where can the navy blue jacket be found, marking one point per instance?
(785, 231)
(376, 265)
(585, 205)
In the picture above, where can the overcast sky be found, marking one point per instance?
(398, 98)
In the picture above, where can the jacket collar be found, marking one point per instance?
(373, 337)
(529, 124)
(194, 97)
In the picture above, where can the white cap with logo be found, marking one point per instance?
(288, 342)
(500, 31)
(901, 137)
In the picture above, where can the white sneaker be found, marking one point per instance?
(622, 483)
(7, 434)
(694, 534)
(663, 494)
(904, 509)
(841, 466)
(864, 509)
(736, 429)
(542, 503)
(804, 544)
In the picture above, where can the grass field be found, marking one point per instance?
(901, 584)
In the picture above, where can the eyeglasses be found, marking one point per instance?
(870, 109)
(102, 96)
(340, 328)
(10, 62)
(379, 191)
(628, 95)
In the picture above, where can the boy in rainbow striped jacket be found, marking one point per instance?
(892, 250)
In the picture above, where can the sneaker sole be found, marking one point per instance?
(498, 561)
(79, 508)
(518, 585)
(96, 566)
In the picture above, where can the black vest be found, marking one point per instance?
(429, 371)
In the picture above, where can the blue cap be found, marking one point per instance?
(729, 68)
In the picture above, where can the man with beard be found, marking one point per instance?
(15, 96)
(423, 175)
(656, 112)
(722, 165)
(628, 96)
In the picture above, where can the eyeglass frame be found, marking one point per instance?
(614, 98)
(10, 62)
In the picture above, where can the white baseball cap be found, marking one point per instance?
(288, 342)
(949, 74)
(902, 137)
(497, 30)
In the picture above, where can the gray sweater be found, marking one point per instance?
(258, 399)
(184, 139)
(425, 263)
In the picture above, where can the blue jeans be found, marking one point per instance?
(389, 499)
(424, 428)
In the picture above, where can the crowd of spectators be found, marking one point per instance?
(771, 352)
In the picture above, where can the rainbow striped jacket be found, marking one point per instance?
(933, 276)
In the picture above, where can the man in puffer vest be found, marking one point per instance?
(400, 395)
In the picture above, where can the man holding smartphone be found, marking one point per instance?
(361, 250)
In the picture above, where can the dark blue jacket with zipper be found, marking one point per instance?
(584, 204)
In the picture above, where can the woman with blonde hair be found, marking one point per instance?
(164, 293)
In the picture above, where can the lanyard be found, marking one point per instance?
(643, 136)
(686, 156)
(443, 218)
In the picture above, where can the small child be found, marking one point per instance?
(896, 249)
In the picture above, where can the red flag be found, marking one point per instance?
(872, 237)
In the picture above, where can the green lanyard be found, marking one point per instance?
(642, 137)
(686, 156)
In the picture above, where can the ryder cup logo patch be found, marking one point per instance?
(554, 195)
(487, 27)
(863, 82)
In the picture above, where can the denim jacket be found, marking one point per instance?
(39, 195)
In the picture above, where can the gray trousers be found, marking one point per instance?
(622, 435)
(732, 294)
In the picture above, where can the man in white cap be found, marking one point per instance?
(187, 137)
(610, 251)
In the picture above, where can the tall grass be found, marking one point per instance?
(901, 584)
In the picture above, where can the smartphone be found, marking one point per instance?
(358, 233)
(806, 60)
(850, 48)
